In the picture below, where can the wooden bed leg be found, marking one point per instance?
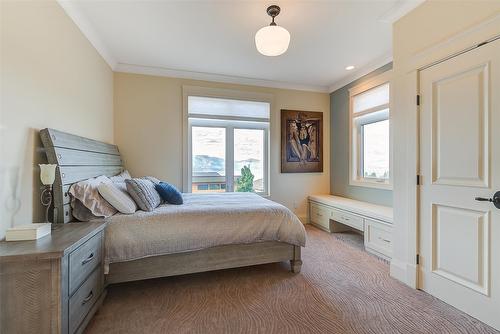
(296, 266)
(296, 262)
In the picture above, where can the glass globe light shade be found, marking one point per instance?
(272, 40)
(47, 174)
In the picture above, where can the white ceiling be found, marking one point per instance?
(215, 39)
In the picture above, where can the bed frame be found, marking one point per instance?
(78, 158)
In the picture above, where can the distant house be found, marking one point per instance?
(214, 182)
(208, 182)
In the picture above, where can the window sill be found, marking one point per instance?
(262, 194)
(371, 184)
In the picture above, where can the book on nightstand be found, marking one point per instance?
(28, 232)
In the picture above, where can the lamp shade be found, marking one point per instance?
(47, 173)
(272, 40)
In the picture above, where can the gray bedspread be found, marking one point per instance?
(203, 221)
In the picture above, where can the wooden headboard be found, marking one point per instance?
(77, 158)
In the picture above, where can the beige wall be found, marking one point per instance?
(148, 131)
(51, 76)
(436, 21)
(430, 32)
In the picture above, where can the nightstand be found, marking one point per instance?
(54, 284)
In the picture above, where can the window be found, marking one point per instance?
(214, 186)
(227, 145)
(370, 148)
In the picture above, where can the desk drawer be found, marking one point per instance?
(83, 260)
(320, 215)
(84, 298)
(348, 219)
(378, 237)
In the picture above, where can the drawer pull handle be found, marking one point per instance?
(385, 240)
(344, 218)
(88, 298)
(87, 260)
(319, 215)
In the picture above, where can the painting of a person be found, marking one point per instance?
(294, 148)
(303, 140)
(313, 149)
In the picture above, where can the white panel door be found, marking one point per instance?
(459, 161)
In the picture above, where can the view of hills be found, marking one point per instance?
(206, 163)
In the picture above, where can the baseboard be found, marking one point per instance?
(411, 275)
(404, 272)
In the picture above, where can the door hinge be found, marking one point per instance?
(418, 259)
(418, 180)
(418, 100)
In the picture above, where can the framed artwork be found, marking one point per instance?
(301, 141)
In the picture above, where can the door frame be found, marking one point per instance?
(465, 40)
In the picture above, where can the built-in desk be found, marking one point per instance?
(337, 214)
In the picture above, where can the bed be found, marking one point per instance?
(233, 230)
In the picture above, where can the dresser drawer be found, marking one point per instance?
(83, 260)
(348, 219)
(320, 215)
(378, 237)
(84, 298)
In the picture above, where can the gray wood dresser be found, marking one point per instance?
(54, 284)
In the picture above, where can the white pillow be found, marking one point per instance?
(125, 175)
(117, 197)
(86, 191)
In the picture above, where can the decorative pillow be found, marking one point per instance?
(86, 191)
(121, 177)
(80, 212)
(169, 193)
(144, 194)
(152, 179)
(117, 196)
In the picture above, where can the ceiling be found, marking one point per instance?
(214, 40)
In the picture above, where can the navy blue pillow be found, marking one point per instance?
(169, 193)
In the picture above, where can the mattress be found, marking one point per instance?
(203, 221)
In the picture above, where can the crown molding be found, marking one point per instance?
(182, 74)
(372, 66)
(87, 30)
(400, 9)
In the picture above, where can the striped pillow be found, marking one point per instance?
(118, 197)
(144, 194)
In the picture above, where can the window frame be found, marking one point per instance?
(356, 135)
(229, 123)
(230, 126)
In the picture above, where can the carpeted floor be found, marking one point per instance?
(341, 289)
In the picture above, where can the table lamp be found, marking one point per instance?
(47, 176)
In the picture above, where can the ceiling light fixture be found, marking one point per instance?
(272, 40)
(350, 67)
